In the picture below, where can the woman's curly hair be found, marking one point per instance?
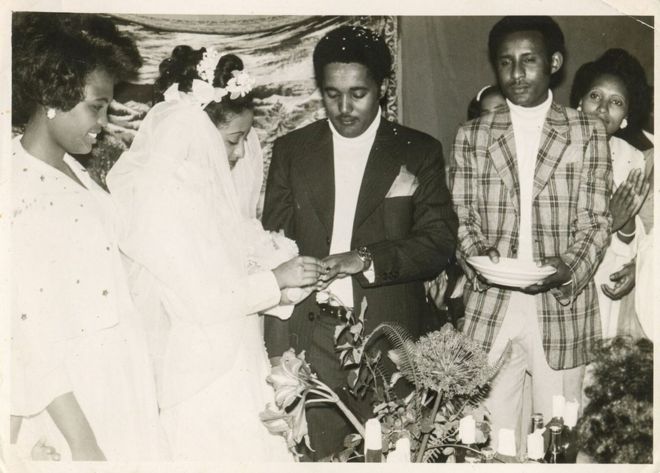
(181, 68)
(618, 63)
(53, 54)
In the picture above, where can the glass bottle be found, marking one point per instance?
(555, 453)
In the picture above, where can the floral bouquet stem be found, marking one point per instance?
(328, 395)
(425, 437)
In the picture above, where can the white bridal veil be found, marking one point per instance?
(186, 238)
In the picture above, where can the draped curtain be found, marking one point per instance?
(276, 50)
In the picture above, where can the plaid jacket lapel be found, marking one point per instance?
(502, 151)
(553, 143)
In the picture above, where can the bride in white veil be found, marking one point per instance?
(197, 263)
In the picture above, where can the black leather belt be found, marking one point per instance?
(331, 310)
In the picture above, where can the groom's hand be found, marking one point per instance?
(339, 266)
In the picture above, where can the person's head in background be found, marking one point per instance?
(488, 100)
(64, 70)
(526, 52)
(614, 89)
(233, 115)
(351, 66)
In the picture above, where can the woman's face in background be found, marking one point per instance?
(607, 99)
(234, 133)
(491, 103)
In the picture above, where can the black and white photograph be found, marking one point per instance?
(243, 236)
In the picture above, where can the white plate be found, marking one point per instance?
(510, 272)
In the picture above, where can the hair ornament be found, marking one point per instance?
(238, 86)
(483, 89)
(207, 65)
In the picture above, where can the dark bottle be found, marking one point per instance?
(569, 443)
(537, 422)
(555, 452)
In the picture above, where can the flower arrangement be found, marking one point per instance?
(447, 373)
(444, 373)
(295, 387)
(617, 425)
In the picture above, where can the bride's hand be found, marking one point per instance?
(295, 295)
(300, 271)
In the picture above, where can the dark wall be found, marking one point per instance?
(444, 62)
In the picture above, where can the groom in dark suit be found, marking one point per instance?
(367, 195)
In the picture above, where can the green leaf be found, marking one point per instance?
(339, 329)
(356, 329)
(448, 451)
(352, 440)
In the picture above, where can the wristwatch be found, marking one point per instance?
(365, 255)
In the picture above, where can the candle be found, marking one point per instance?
(571, 413)
(467, 430)
(506, 442)
(558, 403)
(535, 446)
(373, 441)
(401, 452)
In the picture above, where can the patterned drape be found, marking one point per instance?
(277, 51)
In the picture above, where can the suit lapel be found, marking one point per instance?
(319, 171)
(553, 143)
(502, 151)
(379, 174)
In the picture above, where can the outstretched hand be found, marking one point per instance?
(339, 266)
(558, 278)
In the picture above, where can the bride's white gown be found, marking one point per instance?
(187, 252)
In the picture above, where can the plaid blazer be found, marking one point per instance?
(570, 219)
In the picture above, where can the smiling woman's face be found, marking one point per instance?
(74, 131)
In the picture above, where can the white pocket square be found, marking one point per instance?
(404, 185)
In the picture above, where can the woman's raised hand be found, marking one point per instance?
(628, 198)
(300, 271)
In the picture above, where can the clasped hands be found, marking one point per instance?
(310, 273)
(560, 277)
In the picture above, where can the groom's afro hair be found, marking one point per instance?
(357, 44)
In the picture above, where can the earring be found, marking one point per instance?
(624, 123)
(50, 113)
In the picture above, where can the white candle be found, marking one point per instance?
(467, 430)
(558, 403)
(506, 442)
(401, 452)
(535, 446)
(373, 439)
(571, 413)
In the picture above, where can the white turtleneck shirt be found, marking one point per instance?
(527, 127)
(350, 161)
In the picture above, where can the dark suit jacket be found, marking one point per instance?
(411, 238)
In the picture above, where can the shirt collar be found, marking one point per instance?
(531, 112)
(368, 135)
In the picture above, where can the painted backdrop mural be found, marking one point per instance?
(277, 51)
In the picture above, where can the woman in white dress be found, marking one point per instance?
(199, 271)
(81, 378)
(614, 89)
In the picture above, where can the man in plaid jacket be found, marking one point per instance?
(532, 182)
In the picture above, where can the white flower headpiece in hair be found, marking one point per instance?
(238, 86)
